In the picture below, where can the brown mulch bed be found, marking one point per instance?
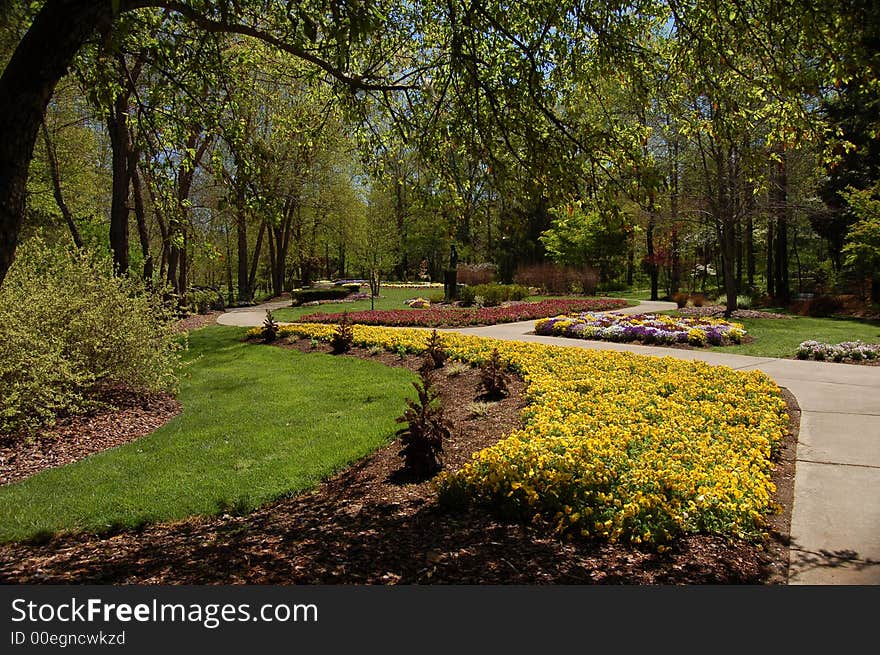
(119, 417)
(196, 321)
(366, 525)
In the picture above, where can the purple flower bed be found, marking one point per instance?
(644, 328)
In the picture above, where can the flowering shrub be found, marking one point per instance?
(435, 317)
(616, 446)
(647, 328)
(851, 351)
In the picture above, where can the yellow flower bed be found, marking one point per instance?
(616, 445)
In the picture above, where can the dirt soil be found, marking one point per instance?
(196, 321)
(365, 525)
(119, 417)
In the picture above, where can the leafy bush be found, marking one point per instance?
(69, 326)
(343, 336)
(743, 302)
(300, 296)
(202, 301)
(436, 297)
(467, 296)
(558, 280)
(493, 378)
(495, 294)
(422, 436)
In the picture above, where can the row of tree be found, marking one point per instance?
(261, 143)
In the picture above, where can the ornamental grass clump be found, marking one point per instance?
(425, 430)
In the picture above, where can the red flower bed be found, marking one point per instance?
(527, 311)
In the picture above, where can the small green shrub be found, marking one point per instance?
(422, 436)
(69, 326)
(300, 296)
(202, 301)
(743, 302)
(493, 378)
(436, 297)
(495, 294)
(467, 296)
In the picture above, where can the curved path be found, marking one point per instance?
(835, 523)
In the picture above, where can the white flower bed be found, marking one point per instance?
(853, 351)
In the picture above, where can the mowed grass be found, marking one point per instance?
(780, 338)
(258, 423)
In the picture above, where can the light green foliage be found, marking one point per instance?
(68, 325)
(862, 248)
(586, 235)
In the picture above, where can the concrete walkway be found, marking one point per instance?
(835, 523)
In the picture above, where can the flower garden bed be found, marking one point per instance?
(848, 351)
(616, 446)
(644, 328)
(433, 317)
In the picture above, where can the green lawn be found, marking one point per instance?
(780, 338)
(258, 423)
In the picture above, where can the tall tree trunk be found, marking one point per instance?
(163, 228)
(245, 293)
(183, 266)
(779, 208)
(56, 188)
(725, 223)
(42, 57)
(771, 238)
(653, 269)
(738, 231)
(141, 217)
(256, 258)
(117, 128)
(750, 248)
(675, 276)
